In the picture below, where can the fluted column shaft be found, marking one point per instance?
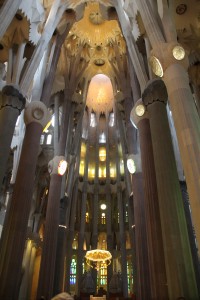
(178, 258)
(16, 226)
(122, 243)
(142, 282)
(61, 248)
(11, 105)
(158, 281)
(46, 276)
(186, 119)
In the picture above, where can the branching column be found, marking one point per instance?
(185, 116)
(46, 277)
(178, 258)
(158, 281)
(15, 228)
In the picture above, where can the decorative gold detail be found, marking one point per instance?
(97, 258)
(178, 52)
(156, 66)
(96, 18)
(38, 113)
(140, 110)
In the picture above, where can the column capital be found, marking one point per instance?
(37, 112)
(11, 96)
(138, 113)
(166, 54)
(155, 91)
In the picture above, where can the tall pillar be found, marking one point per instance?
(108, 203)
(47, 266)
(158, 281)
(11, 104)
(15, 228)
(172, 67)
(82, 220)
(46, 277)
(61, 248)
(177, 252)
(122, 238)
(142, 277)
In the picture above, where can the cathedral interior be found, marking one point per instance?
(100, 149)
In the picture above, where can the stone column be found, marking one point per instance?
(142, 283)
(81, 234)
(96, 199)
(186, 119)
(177, 252)
(122, 237)
(61, 248)
(11, 104)
(108, 203)
(82, 215)
(47, 267)
(15, 228)
(158, 281)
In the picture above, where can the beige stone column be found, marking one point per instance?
(177, 252)
(15, 228)
(157, 269)
(169, 62)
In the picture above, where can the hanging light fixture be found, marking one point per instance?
(98, 258)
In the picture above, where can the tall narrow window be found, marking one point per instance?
(73, 271)
(103, 218)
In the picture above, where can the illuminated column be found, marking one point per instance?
(96, 198)
(70, 235)
(169, 61)
(108, 203)
(57, 168)
(15, 229)
(142, 282)
(61, 248)
(194, 74)
(47, 267)
(11, 104)
(80, 253)
(65, 209)
(29, 257)
(177, 252)
(122, 235)
(158, 281)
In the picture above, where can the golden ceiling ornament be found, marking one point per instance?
(98, 258)
(93, 29)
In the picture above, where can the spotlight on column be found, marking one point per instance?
(131, 164)
(62, 167)
(156, 66)
(140, 110)
(178, 52)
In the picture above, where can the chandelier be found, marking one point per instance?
(98, 258)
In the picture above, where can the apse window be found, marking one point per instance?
(112, 120)
(92, 120)
(73, 271)
(49, 139)
(102, 138)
